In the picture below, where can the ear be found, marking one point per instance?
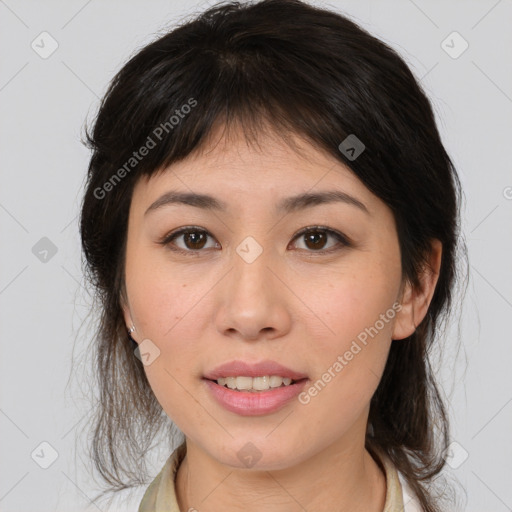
(127, 317)
(126, 311)
(416, 300)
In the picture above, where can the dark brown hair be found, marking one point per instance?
(301, 70)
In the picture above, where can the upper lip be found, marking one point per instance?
(241, 368)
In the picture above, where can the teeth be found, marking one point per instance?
(264, 383)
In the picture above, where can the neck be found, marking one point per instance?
(342, 477)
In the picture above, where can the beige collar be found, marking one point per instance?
(161, 493)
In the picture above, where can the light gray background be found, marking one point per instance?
(43, 104)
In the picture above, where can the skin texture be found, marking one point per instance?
(292, 305)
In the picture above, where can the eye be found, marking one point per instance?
(315, 238)
(194, 239)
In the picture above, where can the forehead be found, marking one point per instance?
(233, 167)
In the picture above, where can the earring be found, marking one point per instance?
(130, 330)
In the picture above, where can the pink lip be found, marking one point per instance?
(241, 368)
(246, 403)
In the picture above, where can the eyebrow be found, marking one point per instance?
(287, 205)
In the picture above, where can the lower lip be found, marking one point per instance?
(255, 404)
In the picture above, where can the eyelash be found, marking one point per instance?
(167, 239)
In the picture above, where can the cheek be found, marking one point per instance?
(169, 307)
(357, 306)
(162, 304)
(352, 300)
(160, 297)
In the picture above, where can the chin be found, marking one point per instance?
(258, 454)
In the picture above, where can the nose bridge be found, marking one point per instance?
(251, 274)
(252, 301)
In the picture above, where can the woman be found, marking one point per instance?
(271, 222)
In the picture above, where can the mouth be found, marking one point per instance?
(247, 384)
(254, 396)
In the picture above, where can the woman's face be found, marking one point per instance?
(247, 286)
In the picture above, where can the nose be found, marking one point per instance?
(253, 303)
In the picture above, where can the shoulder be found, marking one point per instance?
(411, 502)
(158, 495)
(161, 493)
(399, 495)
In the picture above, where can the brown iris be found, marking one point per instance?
(316, 238)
